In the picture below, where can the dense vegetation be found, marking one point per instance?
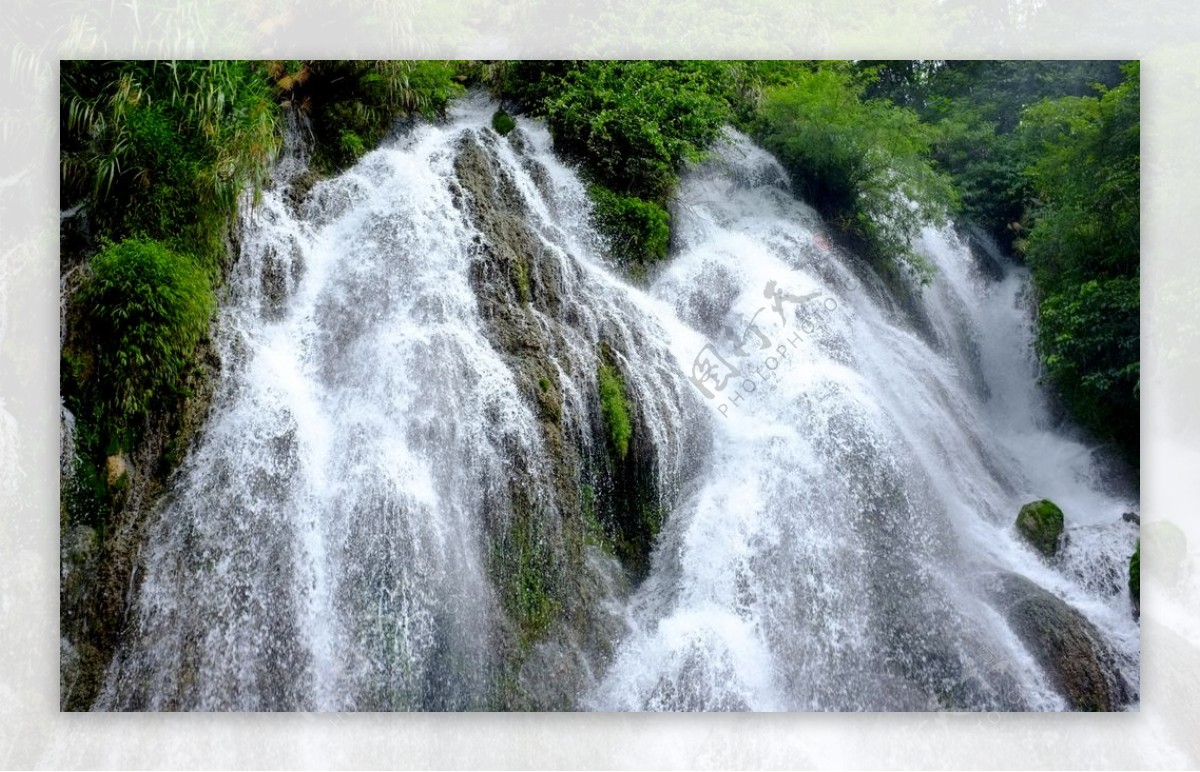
(631, 126)
(1045, 158)
(863, 162)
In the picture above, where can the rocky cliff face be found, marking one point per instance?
(565, 553)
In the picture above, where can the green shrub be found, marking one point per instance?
(503, 123)
(614, 408)
(147, 309)
(634, 123)
(638, 230)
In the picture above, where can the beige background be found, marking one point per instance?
(1165, 34)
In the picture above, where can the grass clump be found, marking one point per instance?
(521, 277)
(147, 308)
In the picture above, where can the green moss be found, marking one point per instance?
(1041, 524)
(544, 384)
(614, 408)
(639, 230)
(503, 123)
(528, 575)
(651, 515)
(594, 532)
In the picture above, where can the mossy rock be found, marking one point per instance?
(1041, 524)
(503, 123)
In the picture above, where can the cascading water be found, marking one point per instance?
(860, 501)
(408, 406)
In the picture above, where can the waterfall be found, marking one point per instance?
(407, 427)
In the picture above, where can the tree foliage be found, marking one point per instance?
(635, 123)
(1083, 248)
(862, 162)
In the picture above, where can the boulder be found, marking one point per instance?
(1041, 524)
(1066, 645)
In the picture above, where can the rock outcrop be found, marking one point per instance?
(1064, 643)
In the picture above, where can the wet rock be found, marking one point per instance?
(1066, 645)
(300, 186)
(1131, 517)
(1041, 524)
(281, 271)
(554, 596)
